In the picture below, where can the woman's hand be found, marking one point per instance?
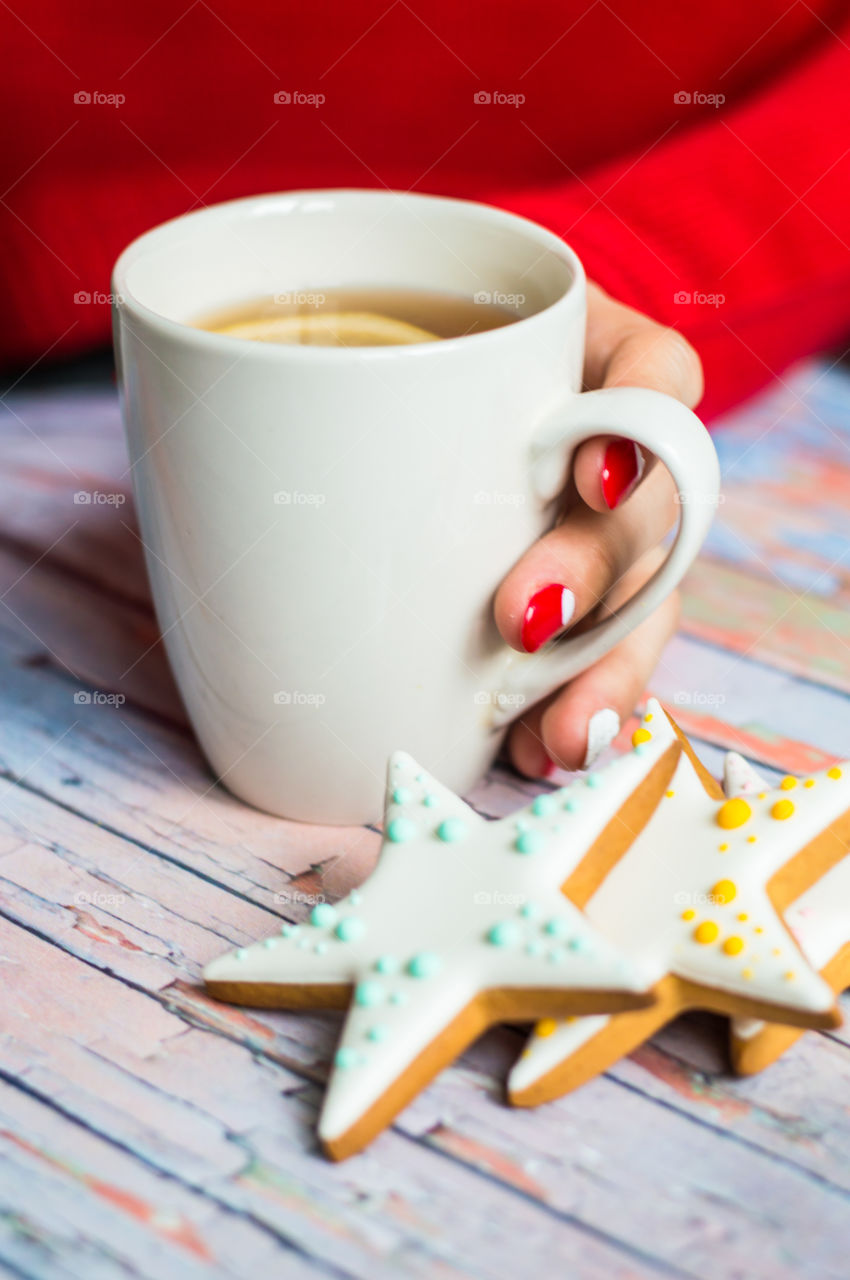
(617, 509)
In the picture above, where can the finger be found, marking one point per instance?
(586, 716)
(573, 727)
(628, 349)
(567, 573)
(526, 751)
(625, 348)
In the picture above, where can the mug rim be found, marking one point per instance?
(124, 300)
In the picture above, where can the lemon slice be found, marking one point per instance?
(331, 329)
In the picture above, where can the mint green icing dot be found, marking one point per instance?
(368, 994)
(398, 997)
(420, 777)
(347, 1057)
(303, 941)
(401, 829)
(430, 800)
(533, 948)
(557, 927)
(378, 1033)
(387, 964)
(529, 842)
(355, 897)
(320, 948)
(572, 806)
(242, 954)
(503, 934)
(401, 795)
(521, 824)
(424, 964)
(451, 830)
(268, 943)
(322, 915)
(556, 955)
(641, 748)
(350, 929)
(289, 930)
(593, 780)
(529, 910)
(544, 805)
(577, 944)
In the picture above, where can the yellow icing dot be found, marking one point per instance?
(788, 784)
(789, 976)
(639, 736)
(742, 915)
(777, 951)
(733, 946)
(669, 794)
(724, 892)
(689, 914)
(525, 1053)
(722, 848)
(746, 973)
(835, 773)
(545, 1027)
(762, 795)
(733, 813)
(751, 839)
(647, 717)
(706, 932)
(782, 810)
(758, 929)
(810, 782)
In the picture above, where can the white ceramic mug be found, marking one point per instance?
(325, 527)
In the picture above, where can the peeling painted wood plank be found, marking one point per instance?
(146, 779)
(785, 459)
(178, 1100)
(78, 1206)
(54, 446)
(741, 704)
(258, 1031)
(787, 629)
(121, 655)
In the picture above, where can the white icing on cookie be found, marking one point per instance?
(456, 905)
(739, 776)
(693, 877)
(820, 922)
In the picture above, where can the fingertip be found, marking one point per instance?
(584, 719)
(607, 470)
(531, 605)
(588, 462)
(621, 472)
(549, 611)
(526, 750)
(564, 733)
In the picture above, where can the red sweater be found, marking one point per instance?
(662, 198)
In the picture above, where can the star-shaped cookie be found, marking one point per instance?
(699, 895)
(820, 923)
(462, 923)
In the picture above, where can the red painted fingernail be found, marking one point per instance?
(621, 469)
(549, 611)
(549, 768)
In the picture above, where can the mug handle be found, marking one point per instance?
(676, 437)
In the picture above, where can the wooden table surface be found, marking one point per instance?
(147, 1131)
